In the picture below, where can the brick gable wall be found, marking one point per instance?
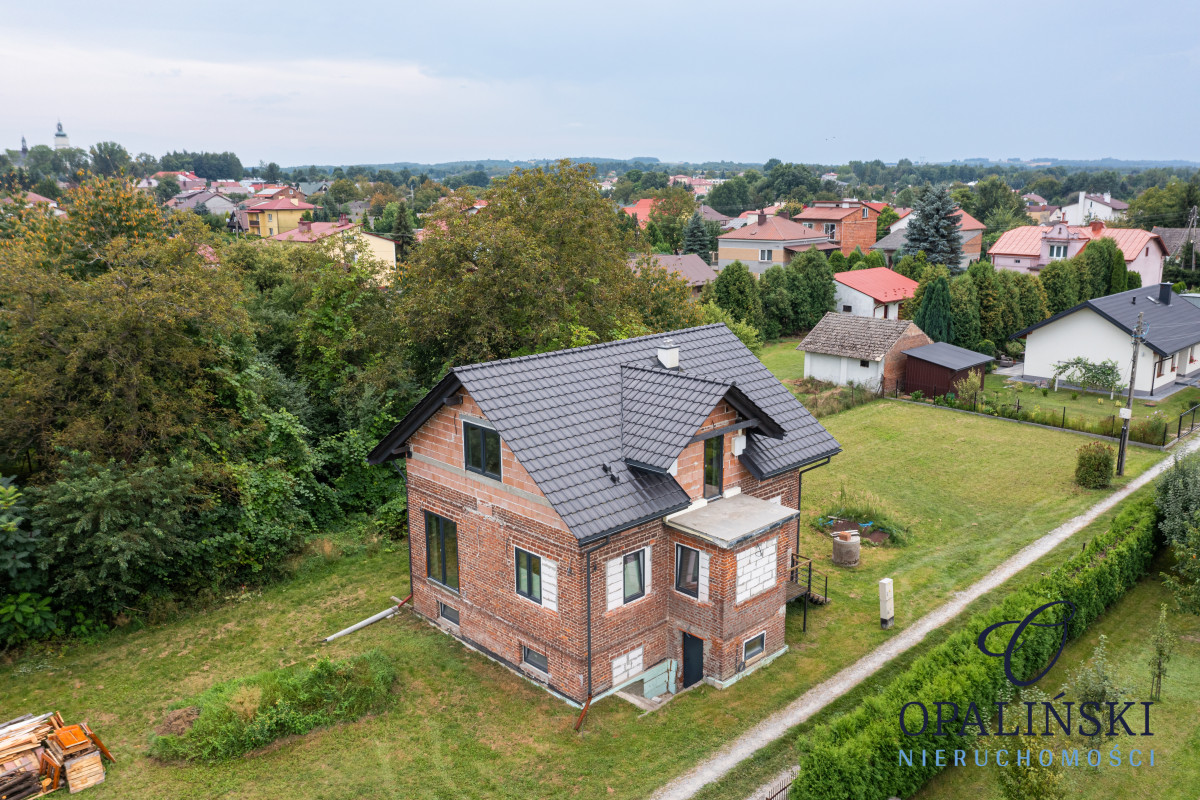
(858, 232)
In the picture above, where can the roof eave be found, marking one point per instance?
(762, 475)
(425, 408)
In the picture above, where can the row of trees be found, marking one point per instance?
(180, 428)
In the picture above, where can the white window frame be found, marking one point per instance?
(766, 255)
(757, 656)
(1058, 251)
(830, 229)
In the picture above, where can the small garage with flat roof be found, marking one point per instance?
(934, 368)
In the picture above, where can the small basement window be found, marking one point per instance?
(862, 362)
(754, 647)
(481, 450)
(535, 659)
(447, 613)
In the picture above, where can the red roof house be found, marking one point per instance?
(876, 292)
(1030, 248)
(848, 223)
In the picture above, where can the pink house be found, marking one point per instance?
(1031, 247)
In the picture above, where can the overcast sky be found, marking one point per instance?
(362, 82)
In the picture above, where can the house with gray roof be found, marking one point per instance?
(847, 349)
(689, 266)
(614, 517)
(1174, 239)
(1102, 329)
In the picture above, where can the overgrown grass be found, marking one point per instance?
(237, 716)
(1175, 718)
(972, 490)
(864, 508)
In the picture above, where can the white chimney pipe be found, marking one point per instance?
(668, 354)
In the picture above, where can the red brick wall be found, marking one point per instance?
(858, 232)
(895, 361)
(492, 522)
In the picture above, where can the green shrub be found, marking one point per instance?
(855, 755)
(1074, 395)
(1045, 391)
(918, 395)
(1094, 465)
(987, 347)
(238, 716)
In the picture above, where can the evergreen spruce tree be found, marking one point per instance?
(736, 291)
(934, 229)
(695, 237)
(964, 312)
(935, 317)
(402, 232)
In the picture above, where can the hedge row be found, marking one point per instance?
(856, 755)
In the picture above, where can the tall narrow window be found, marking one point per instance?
(714, 451)
(529, 575)
(635, 572)
(441, 550)
(687, 570)
(481, 450)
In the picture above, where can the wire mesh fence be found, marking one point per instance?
(1153, 429)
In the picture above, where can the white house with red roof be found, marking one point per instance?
(186, 180)
(1030, 248)
(1091, 207)
(876, 292)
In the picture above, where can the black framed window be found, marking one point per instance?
(529, 575)
(441, 550)
(481, 450)
(535, 659)
(754, 647)
(634, 569)
(447, 613)
(714, 453)
(687, 570)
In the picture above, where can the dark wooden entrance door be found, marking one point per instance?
(693, 659)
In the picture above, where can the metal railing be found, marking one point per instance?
(801, 573)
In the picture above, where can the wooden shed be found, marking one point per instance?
(934, 368)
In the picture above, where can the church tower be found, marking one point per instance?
(61, 142)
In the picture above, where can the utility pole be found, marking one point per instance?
(1139, 335)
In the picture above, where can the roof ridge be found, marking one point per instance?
(596, 346)
(678, 373)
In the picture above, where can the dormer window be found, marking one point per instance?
(481, 450)
(714, 454)
(1058, 251)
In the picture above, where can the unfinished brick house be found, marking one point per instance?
(618, 516)
(847, 223)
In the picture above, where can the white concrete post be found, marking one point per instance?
(887, 614)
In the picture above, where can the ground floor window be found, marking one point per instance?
(634, 567)
(529, 575)
(535, 659)
(754, 647)
(447, 613)
(687, 570)
(441, 550)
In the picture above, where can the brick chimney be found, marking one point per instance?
(1097, 227)
(785, 215)
(343, 219)
(1165, 294)
(762, 218)
(305, 225)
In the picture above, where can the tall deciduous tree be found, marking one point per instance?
(934, 229)
(109, 158)
(884, 221)
(935, 317)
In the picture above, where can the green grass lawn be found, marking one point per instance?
(972, 489)
(1175, 720)
(781, 357)
(1090, 403)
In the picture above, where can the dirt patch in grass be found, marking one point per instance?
(178, 722)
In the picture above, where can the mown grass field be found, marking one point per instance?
(972, 489)
(1175, 719)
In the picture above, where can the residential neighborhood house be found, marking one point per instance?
(847, 223)
(767, 241)
(1090, 207)
(1101, 329)
(1031, 247)
(275, 216)
(874, 292)
(1174, 239)
(621, 515)
(894, 245)
(212, 202)
(307, 232)
(689, 266)
(864, 351)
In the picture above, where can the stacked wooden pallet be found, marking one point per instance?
(38, 753)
